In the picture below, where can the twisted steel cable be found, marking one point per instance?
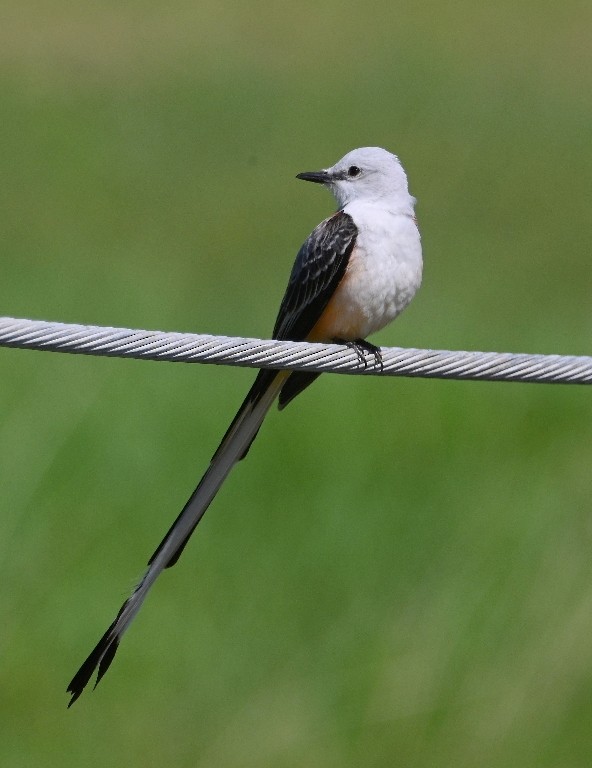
(303, 356)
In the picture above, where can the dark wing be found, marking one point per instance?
(318, 269)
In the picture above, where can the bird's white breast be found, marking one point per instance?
(383, 273)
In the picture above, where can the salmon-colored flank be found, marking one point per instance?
(339, 320)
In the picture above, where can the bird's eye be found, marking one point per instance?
(353, 171)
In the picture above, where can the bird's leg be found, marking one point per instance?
(360, 347)
(373, 350)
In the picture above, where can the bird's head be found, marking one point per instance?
(367, 174)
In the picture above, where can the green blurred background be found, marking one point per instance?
(401, 573)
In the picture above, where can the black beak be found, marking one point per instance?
(319, 177)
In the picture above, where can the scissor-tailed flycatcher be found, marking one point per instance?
(354, 274)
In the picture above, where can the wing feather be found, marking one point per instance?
(319, 267)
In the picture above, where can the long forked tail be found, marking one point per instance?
(233, 448)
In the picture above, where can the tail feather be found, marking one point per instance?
(233, 447)
(261, 383)
(101, 656)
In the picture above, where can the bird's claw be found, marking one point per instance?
(361, 347)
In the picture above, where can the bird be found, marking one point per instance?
(354, 274)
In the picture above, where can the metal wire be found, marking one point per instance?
(303, 356)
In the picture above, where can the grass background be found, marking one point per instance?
(409, 581)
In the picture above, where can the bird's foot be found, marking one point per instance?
(361, 347)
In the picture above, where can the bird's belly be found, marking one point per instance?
(370, 295)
